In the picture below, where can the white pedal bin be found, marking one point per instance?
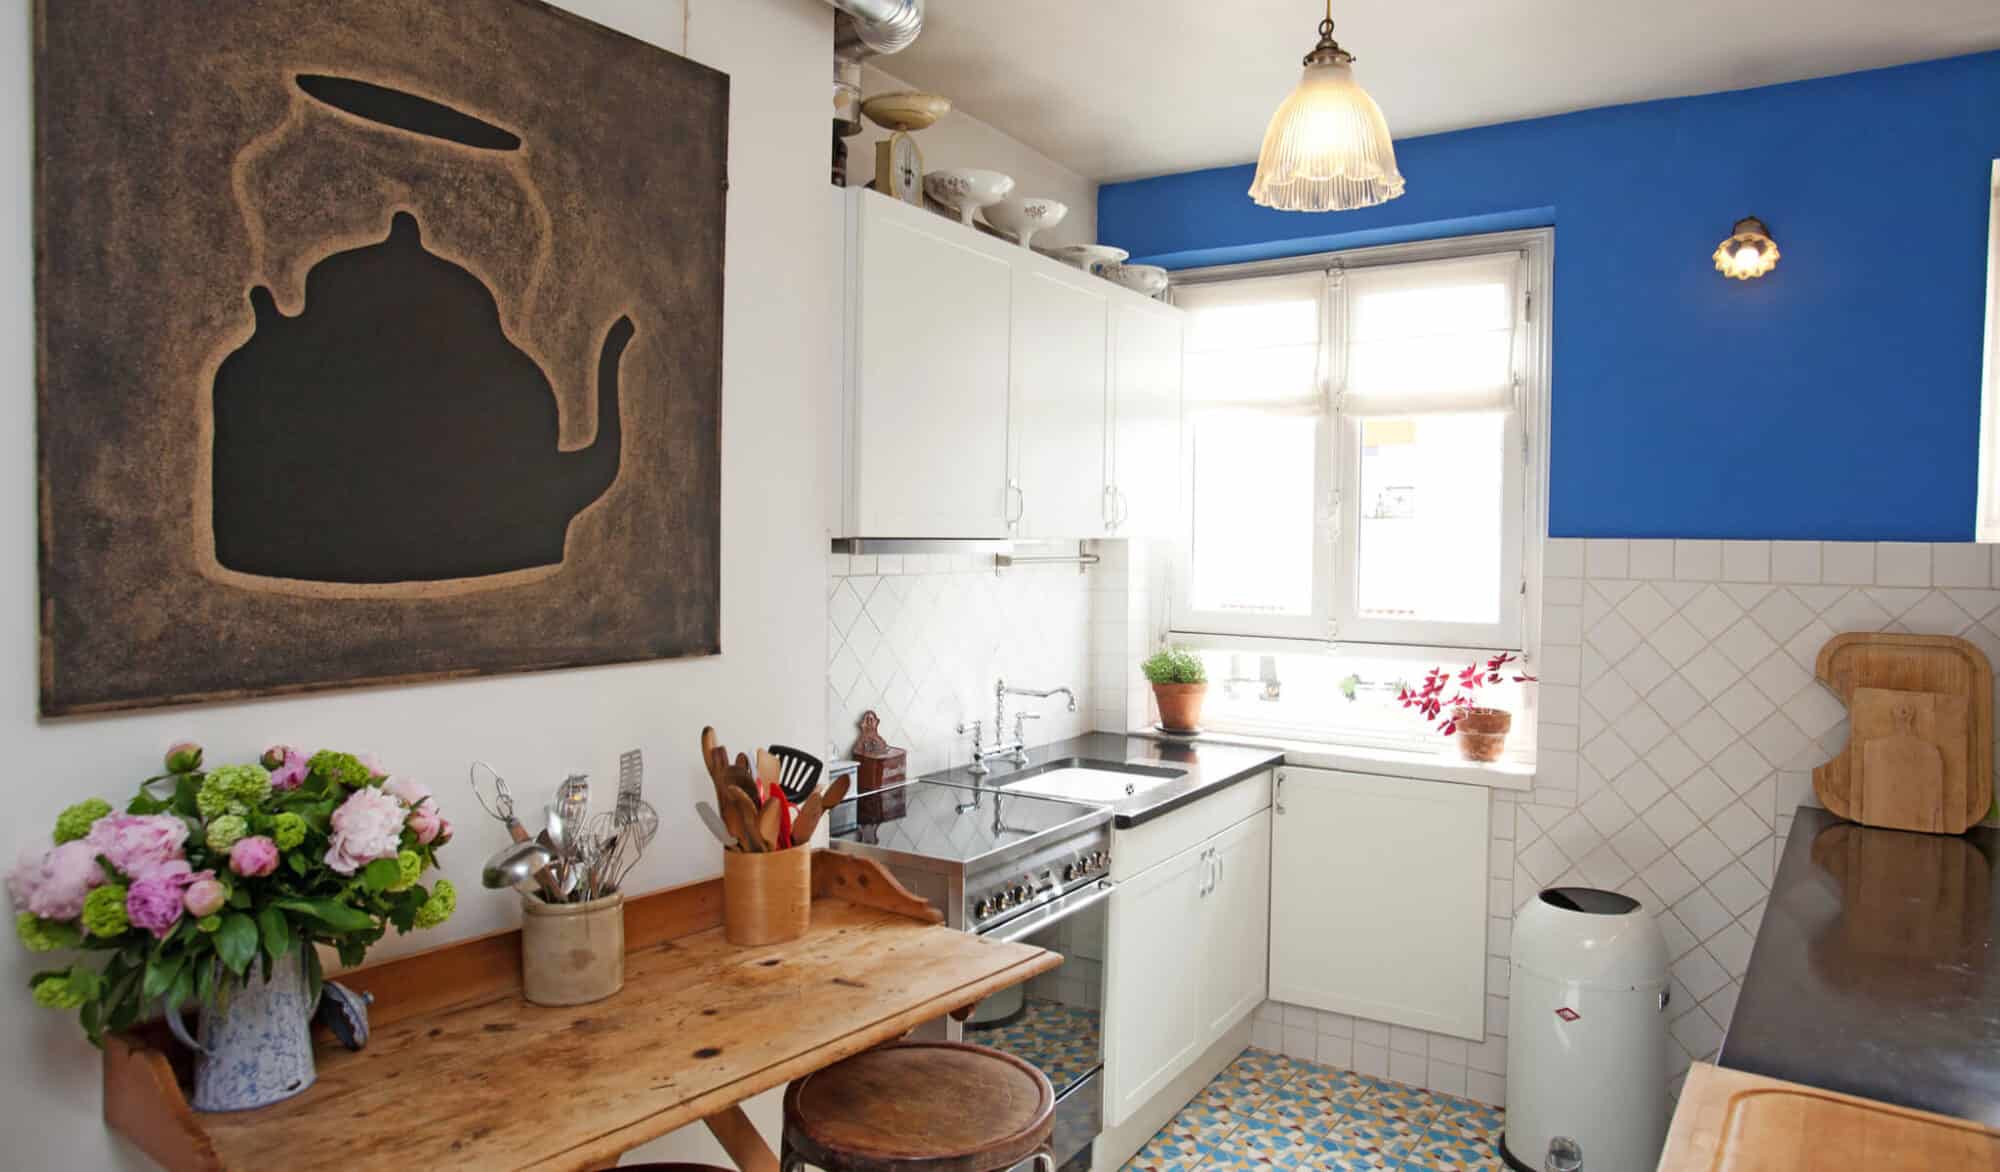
(1587, 1031)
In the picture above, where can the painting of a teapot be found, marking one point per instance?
(378, 349)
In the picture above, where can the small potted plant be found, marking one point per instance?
(1180, 683)
(1481, 730)
(212, 889)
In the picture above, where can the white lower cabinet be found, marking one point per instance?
(1378, 898)
(1188, 941)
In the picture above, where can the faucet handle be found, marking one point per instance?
(977, 728)
(1021, 718)
(978, 731)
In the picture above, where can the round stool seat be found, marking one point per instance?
(919, 1107)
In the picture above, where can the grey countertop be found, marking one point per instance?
(1209, 767)
(1874, 970)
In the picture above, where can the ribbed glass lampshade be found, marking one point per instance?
(1327, 148)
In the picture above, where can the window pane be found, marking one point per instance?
(1430, 530)
(1253, 513)
(1434, 336)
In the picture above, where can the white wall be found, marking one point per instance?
(780, 288)
(961, 140)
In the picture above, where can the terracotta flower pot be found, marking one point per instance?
(1180, 705)
(1482, 732)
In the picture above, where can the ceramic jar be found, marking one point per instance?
(572, 953)
(256, 1041)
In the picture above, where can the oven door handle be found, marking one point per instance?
(1050, 914)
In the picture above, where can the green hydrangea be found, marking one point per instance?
(288, 830)
(104, 912)
(344, 768)
(40, 935)
(53, 991)
(74, 823)
(411, 865)
(232, 789)
(438, 908)
(224, 831)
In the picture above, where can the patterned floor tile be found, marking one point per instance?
(1404, 1102)
(1341, 1086)
(1262, 1066)
(1455, 1155)
(1290, 1106)
(1260, 1144)
(1339, 1155)
(1396, 1137)
(1167, 1153)
(1230, 1092)
(1205, 1125)
(1468, 1120)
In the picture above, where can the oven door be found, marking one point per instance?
(1054, 1021)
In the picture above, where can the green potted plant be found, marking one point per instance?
(1180, 683)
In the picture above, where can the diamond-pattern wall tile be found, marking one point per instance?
(1697, 722)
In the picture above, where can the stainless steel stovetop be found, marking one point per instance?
(983, 855)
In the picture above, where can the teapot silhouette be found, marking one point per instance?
(392, 432)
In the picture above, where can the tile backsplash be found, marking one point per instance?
(920, 639)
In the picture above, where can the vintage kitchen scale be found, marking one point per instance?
(899, 165)
(1919, 754)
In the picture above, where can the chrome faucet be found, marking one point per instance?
(1015, 751)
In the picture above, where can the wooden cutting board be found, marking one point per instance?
(1729, 1121)
(1919, 754)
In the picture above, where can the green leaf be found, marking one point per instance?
(314, 976)
(236, 941)
(204, 979)
(381, 875)
(161, 972)
(297, 863)
(337, 916)
(239, 898)
(276, 931)
(182, 990)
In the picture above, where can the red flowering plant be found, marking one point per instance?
(1430, 698)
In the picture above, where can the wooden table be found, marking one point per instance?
(462, 1073)
(1729, 1121)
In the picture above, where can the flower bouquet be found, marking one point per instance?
(216, 882)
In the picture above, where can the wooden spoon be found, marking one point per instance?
(771, 822)
(739, 813)
(767, 771)
(814, 806)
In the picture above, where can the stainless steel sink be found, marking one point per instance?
(1081, 780)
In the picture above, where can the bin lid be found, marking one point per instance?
(1589, 935)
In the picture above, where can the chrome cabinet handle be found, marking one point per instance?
(1021, 495)
(1107, 507)
(1124, 508)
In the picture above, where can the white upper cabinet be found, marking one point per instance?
(1145, 450)
(926, 392)
(1058, 405)
(977, 380)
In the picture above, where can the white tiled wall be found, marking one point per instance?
(1123, 632)
(1680, 725)
(920, 639)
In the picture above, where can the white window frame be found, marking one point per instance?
(1334, 620)
(1987, 526)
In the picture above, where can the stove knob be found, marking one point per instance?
(1069, 873)
(981, 910)
(1021, 893)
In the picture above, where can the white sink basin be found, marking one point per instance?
(1082, 784)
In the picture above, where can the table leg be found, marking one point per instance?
(738, 1136)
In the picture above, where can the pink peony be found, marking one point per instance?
(253, 857)
(373, 765)
(407, 790)
(366, 827)
(137, 844)
(155, 901)
(426, 822)
(56, 888)
(25, 877)
(203, 897)
(290, 771)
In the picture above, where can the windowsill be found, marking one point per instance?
(1442, 765)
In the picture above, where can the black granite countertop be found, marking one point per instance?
(1210, 769)
(1874, 970)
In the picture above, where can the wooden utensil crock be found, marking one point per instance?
(572, 953)
(766, 895)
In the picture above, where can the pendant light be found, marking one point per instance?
(1327, 148)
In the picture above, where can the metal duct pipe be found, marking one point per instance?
(868, 27)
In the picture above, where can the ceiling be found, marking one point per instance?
(1118, 89)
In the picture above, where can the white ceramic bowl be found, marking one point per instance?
(1147, 279)
(1023, 216)
(965, 191)
(1088, 256)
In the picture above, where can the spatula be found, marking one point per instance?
(798, 772)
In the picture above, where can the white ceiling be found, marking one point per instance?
(1117, 89)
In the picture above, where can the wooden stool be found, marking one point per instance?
(920, 1107)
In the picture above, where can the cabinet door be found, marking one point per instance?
(1378, 898)
(1153, 983)
(1146, 419)
(928, 397)
(1238, 923)
(1059, 357)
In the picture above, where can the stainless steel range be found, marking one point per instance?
(1014, 867)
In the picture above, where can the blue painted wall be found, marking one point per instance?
(1836, 398)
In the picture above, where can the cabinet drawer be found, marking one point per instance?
(1152, 843)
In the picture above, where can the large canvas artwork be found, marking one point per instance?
(379, 340)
